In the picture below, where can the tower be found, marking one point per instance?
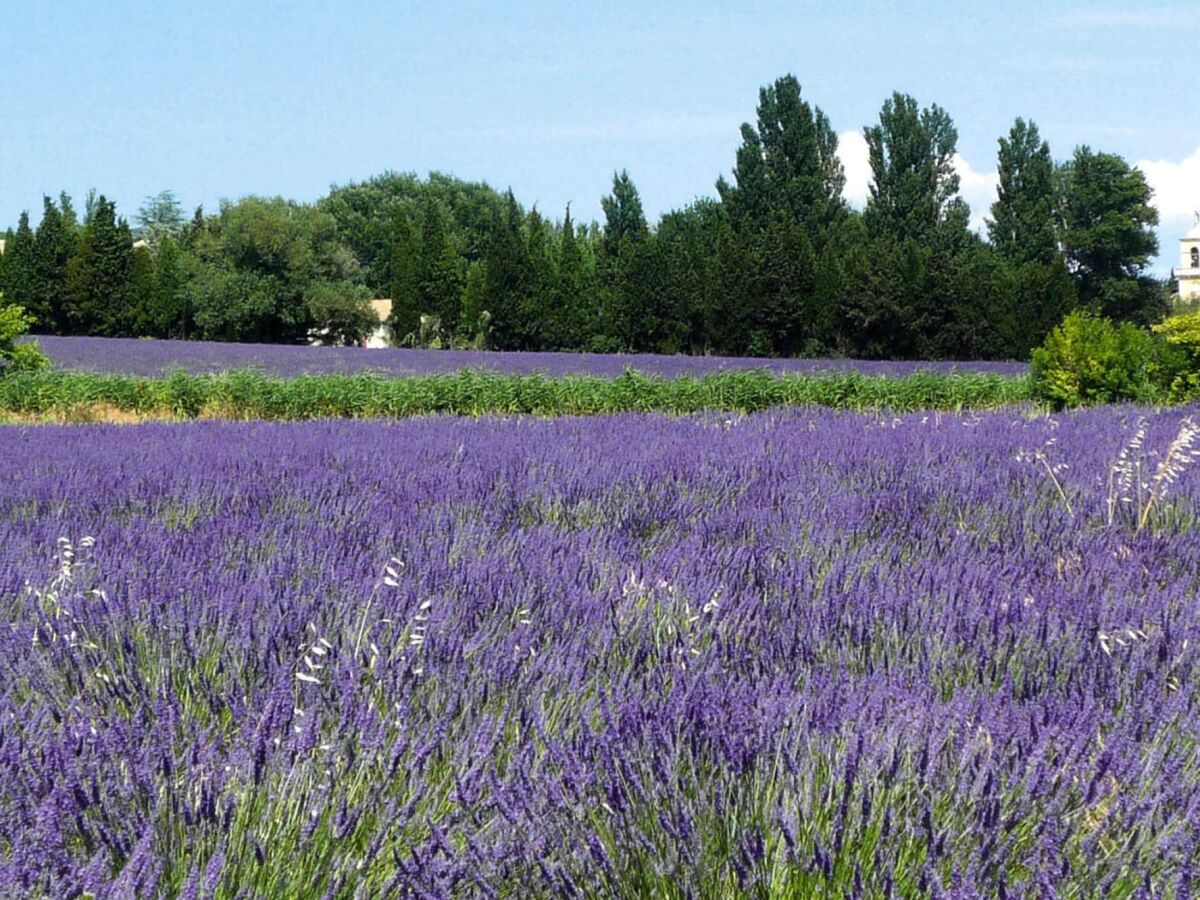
(1188, 273)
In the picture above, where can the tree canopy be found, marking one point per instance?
(777, 264)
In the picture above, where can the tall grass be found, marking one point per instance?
(76, 396)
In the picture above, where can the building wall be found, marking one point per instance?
(1185, 253)
(1189, 288)
(1187, 274)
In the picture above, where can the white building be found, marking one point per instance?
(1188, 273)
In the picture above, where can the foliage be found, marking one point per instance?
(255, 266)
(787, 165)
(18, 357)
(1182, 332)
(776, 241)
(54, 244)
(340, 312)
(405, 288)
(1022, 226)
(914, 188)
(253, 395)
(18, 277)
(1106, 225)
(1088, 359)
(160, 217)
(169, 313)
(98, 282)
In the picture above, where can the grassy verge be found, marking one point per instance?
(81, 396)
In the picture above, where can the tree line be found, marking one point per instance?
(776, 264)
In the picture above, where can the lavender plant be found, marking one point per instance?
(790, 654)
(133, 356)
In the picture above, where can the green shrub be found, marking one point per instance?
(1087, 359)
(14, 357)
(1182, 334)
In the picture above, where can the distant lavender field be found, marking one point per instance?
(143, 357)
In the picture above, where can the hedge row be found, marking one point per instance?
(251, 395)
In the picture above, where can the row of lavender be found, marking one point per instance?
(145, 357)
(796, 654)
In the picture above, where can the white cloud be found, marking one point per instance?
(852, 150)
(1176, 185)
(978, 188)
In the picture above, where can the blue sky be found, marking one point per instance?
(220, 99)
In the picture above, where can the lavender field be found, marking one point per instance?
(795, 654)
(152, 357)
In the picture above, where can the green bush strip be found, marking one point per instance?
(251, 395)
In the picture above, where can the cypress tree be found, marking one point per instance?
(539, 303)
(441, 273)
(169, 309)
(905, 301)
(140, 312)
(98, 275)
(624, 257)
(1022, 229)
(506, 277)
(624, 219)
(569, 314)
(67, 208)
(20, 285)
(53, 245)
(405, 265)
(473, 316)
